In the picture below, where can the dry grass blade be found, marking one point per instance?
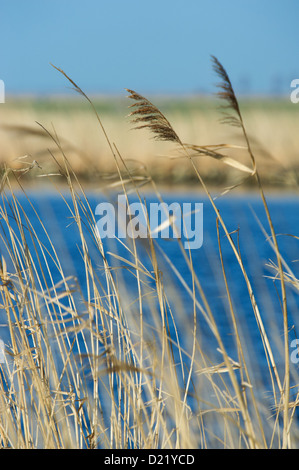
(76, 87)
(151, 118)
(23, 129)
(227, 94)
(218, 156)
(81, 92)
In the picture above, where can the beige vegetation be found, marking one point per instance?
(97, 365)
(272, 124)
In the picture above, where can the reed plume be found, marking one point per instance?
(152, 118)
(227, 94)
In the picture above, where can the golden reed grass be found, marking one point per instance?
(90, 366)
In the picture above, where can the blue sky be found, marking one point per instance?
(155, 46)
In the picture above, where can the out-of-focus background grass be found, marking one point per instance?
(272, 124)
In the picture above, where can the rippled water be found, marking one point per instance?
(244, 216)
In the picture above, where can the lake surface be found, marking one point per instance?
(244, 216)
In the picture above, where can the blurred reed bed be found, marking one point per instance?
(272, 124)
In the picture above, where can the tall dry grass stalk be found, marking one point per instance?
(96, 365)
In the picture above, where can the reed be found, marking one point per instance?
(272, 127)
(99, 365)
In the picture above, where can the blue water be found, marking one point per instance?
(242, 214)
